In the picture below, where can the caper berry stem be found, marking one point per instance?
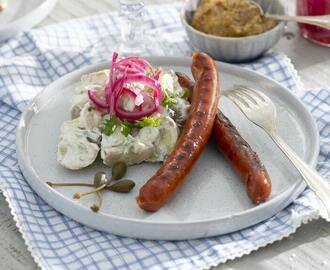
(100, 182)
(96, 207)
(59, 184)
(110, 182)
(100, 196)
(78, 195)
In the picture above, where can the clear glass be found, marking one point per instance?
(136, 39)
(314, 8)
(132, 15)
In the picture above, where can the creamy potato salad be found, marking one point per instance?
(135, 125)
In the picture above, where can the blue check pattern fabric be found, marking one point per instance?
(33, 59)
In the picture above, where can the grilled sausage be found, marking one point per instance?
(239, 153)
(242, 158)
(196, 132)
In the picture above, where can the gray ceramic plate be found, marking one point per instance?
(213, 200)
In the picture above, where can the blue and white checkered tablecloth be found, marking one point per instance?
(34, 59)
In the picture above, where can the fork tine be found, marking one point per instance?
(237, 101)
(249, 93)
(246, 95)
(245, 98)
(257, 93)
(236, 96)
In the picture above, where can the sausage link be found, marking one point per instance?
(239, 153)
(195, 134)
(242, 158)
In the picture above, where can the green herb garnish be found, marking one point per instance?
(125, 127)
(148, 121)
(108, 126)
(168, 101)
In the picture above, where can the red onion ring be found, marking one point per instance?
(95, 100)
(122, 72)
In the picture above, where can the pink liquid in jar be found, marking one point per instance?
(314, 8)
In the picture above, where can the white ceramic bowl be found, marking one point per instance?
(233, 49)
(21, 15)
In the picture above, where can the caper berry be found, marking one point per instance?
(118, 170)
(100, 179)
(101, 182)
(123, 186)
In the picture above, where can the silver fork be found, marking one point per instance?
(260, 110)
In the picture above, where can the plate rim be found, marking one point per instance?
(30, 172)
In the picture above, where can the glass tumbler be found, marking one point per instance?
(131, 14)
(314, 8)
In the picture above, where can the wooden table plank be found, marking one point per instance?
(13, 252)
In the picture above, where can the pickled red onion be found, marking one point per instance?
(140, 62)
(126, 71)
(99, 105)
(136, 114)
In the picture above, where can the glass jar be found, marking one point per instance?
(314, 8)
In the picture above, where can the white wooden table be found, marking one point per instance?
(307, 249)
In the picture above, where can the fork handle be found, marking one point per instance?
(315, 182)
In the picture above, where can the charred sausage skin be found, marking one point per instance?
(239, 153)
(242, 158)
(196, 132)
